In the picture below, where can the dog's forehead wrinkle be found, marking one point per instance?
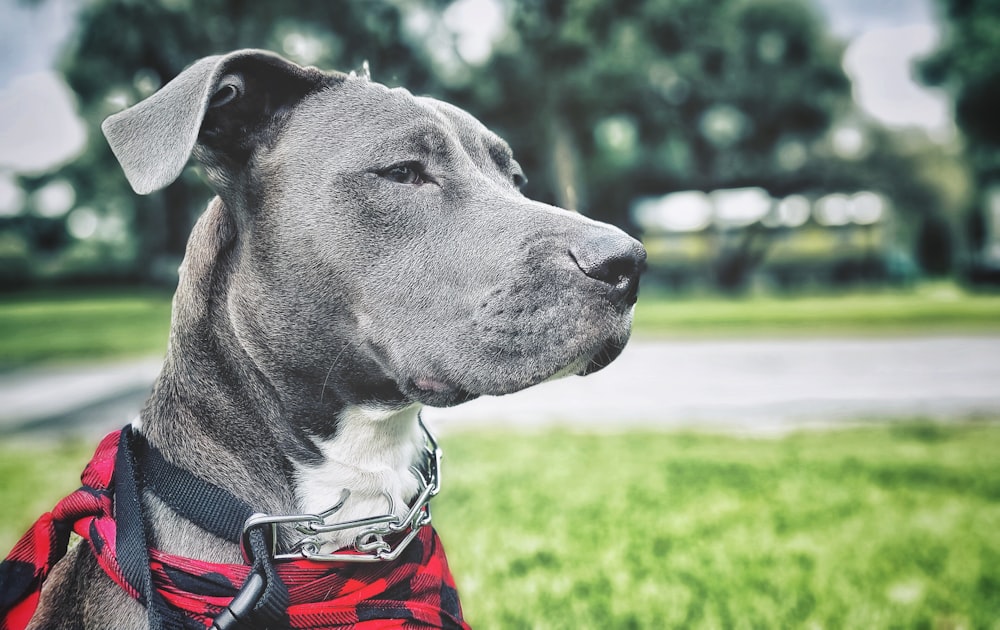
(418, 140)
(382, 124)
(471, 130)
(393, 126)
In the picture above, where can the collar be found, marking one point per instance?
(298, 589)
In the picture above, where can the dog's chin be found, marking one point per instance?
(435, 392)
(603, 357)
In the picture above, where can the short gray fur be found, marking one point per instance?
(367, 249)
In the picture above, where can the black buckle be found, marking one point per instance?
(238, 610)
(246, 599)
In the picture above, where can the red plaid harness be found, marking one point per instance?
(416, 590)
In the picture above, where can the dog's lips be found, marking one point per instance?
(437, 393)
(431, 385)
(437, 387)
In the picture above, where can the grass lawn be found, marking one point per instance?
(82, 325)
(893, 526)
(931, 308)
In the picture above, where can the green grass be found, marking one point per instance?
(932, 308)
(33, 476)
(82, 325)
(875, 528)
(892, 526)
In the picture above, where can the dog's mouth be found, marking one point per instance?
(435, 392)
(439, 391)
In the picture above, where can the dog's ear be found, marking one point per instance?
(222, 104)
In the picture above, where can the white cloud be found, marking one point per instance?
(39, 128)
(881, 65)
(849, 18)
(11, 196)
(477, 24)
(31, 34)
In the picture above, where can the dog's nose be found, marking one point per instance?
(615, 258)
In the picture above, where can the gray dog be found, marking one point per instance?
(369, 252)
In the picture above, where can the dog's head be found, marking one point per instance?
(377, 248)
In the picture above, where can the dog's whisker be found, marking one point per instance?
(336, 361)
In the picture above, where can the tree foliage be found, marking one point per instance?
(966, 64)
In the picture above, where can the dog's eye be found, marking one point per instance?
(520, 181)
(406, 173)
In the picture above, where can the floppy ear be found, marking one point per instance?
(221, 103)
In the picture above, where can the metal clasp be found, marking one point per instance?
(370, 544)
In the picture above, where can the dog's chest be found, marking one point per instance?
(371, 456)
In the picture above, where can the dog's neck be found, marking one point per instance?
(216, 413)
(372, 456)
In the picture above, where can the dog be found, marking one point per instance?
(368, 252)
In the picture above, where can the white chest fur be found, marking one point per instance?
(371, 456)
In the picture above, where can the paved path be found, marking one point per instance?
(762, 385)
(758, 385)
(89, 399)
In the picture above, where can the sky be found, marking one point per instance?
(886, 37)
(38, 130)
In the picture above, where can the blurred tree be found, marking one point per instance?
(966, 64)
(926, 183)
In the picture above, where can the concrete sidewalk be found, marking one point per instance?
(733, 385)
(760, 386)
(82, 398)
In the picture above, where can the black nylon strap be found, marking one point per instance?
(220, 512)
(131, 546)
(201, 502)
(271, 609)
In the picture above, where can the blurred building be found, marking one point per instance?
(732, 239)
